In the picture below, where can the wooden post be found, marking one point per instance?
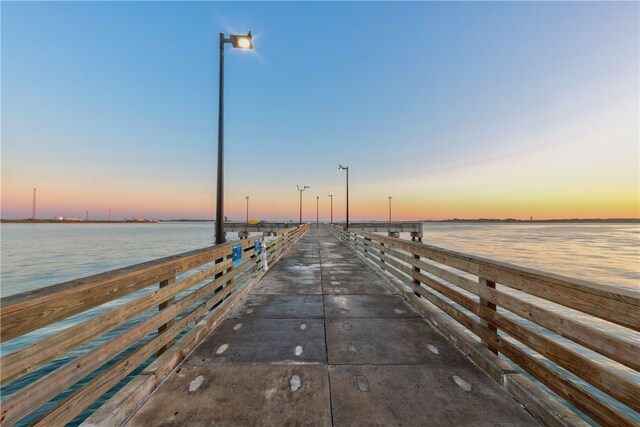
(162, 306)
(416, 282)
(485, 306)
(381, 254)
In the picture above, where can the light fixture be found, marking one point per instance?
(242, 42)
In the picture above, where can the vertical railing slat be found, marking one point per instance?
(163, 306)
(486, 305)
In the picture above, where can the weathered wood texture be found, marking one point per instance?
(194, 287)
(500, 303)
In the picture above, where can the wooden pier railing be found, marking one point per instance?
(164, 299)
(580, 339)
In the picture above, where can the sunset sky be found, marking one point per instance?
(457, 110)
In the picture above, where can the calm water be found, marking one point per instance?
(603, 253)
(37, 255)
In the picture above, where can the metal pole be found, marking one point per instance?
(347, 197)
(317, 211)
(389, 213)
(220, 187)
(247, 209)
(331, 195)
(300, 222)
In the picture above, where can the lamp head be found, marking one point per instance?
(340, 167)
(241, 41)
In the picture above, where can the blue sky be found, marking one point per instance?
(454, 109)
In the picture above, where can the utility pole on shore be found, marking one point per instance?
(33, 208)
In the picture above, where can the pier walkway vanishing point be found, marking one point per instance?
(322, 340)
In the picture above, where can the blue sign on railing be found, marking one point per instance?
(237, 255)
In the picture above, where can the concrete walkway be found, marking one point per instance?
(323, 341)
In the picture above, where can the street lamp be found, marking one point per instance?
(240, 42)
(331, 195)
(389, 213)
(346, 168)
(317, 211)
(301, 190)
(247, 197)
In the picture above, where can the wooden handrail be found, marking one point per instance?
(430, 277)
(204, 276)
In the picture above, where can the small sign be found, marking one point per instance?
(256, 247)
(237, 255)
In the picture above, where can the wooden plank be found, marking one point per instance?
(616, 386)
(163, 306)
(487, 306)
(162, 366)
(578, 397)
(440, 287)
(117, 410)
(612, 303)
(23, 361)
(591, 405)
(472, 262)
(36, 394)
(607, 307)
(618, 349)
(28, 311)
(68, 409)
(455, 279)
(545, 407)
(415, 282)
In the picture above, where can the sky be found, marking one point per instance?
(454, 109)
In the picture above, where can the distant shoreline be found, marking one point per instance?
(454, 220)
(511, 220)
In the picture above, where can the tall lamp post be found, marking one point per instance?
(389, 213)
(240, 42)
(346, 168)
(317, 211)
(247, 197)
(331, 195)
(301, 190)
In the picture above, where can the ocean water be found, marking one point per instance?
(42, 254)
(38, 255)
(607, 253)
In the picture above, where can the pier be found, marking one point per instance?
(344, 327)
(320, 341)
